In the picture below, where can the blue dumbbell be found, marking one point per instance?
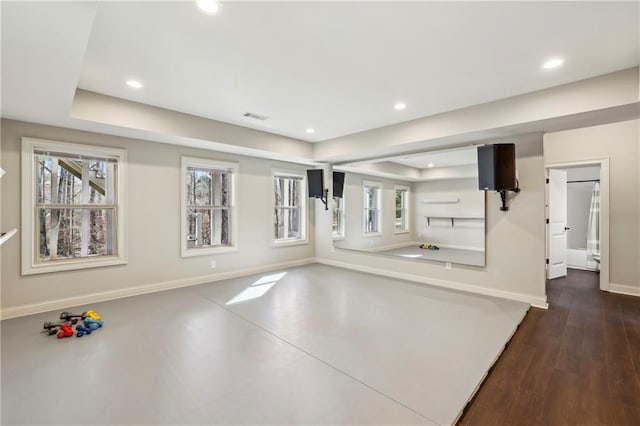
(81, 330)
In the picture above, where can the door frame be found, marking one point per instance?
(604, 211)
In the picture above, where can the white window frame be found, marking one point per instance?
(30, 264)
(233, 208)
(405, 209)
(339, 235)
(304, 218)
(378, 185)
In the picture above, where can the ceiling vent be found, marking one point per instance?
(255, 116)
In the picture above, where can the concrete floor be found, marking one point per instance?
(314, 344)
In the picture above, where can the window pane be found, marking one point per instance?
(400, 219)
(67, 180)
(208, 227)
(371, 223)
(63, 233)
(278, 223)
(208, 187)
(279, 191)
(370, 197)
(294, 223)
(288, 213)
(338, 219)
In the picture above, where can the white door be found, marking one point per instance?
(557, 224)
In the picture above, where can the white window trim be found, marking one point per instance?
(29, 246)
(233, 207)
(303, 206)
(376, 184)
(340, 237)
(407, 229)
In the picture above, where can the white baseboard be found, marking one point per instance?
(624, 289)
(36, 308)
(538, 302)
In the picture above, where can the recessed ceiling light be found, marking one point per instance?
(210, 7)
(135, 84)
(400, 106)
(310, 131)
(430, 165)
(552, 63)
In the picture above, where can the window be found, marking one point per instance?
(372, 213)
(402, 209)
(338, 217)
(289, 214)
(73, 206)
(208, 208)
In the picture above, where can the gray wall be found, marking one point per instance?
(618, 142)
(579, 204)
(153, 214)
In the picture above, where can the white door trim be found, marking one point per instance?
(604, 210)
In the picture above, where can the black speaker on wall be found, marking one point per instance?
(338, 184)
(497, 167)
(315, 182)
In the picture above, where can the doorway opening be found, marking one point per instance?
(577, 211)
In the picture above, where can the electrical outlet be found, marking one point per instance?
(213, 264)
(448, 266)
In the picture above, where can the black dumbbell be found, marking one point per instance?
(74, 318)
(52, 327)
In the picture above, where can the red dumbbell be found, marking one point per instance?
(65, 331)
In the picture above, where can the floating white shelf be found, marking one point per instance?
(440, 200)
(5, 236)
(452, 218)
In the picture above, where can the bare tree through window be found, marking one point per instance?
(208, 205)
(75, 206)
(288, 208)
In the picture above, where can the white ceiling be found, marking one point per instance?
(337, 67)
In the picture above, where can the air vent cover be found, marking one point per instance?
(255, 116)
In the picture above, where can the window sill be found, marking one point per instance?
(287, 243)
(371, 234)
(70, 265)
(209, 251)
(341, 238)
(402, 232)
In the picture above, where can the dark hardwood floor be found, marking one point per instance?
(576, 363)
